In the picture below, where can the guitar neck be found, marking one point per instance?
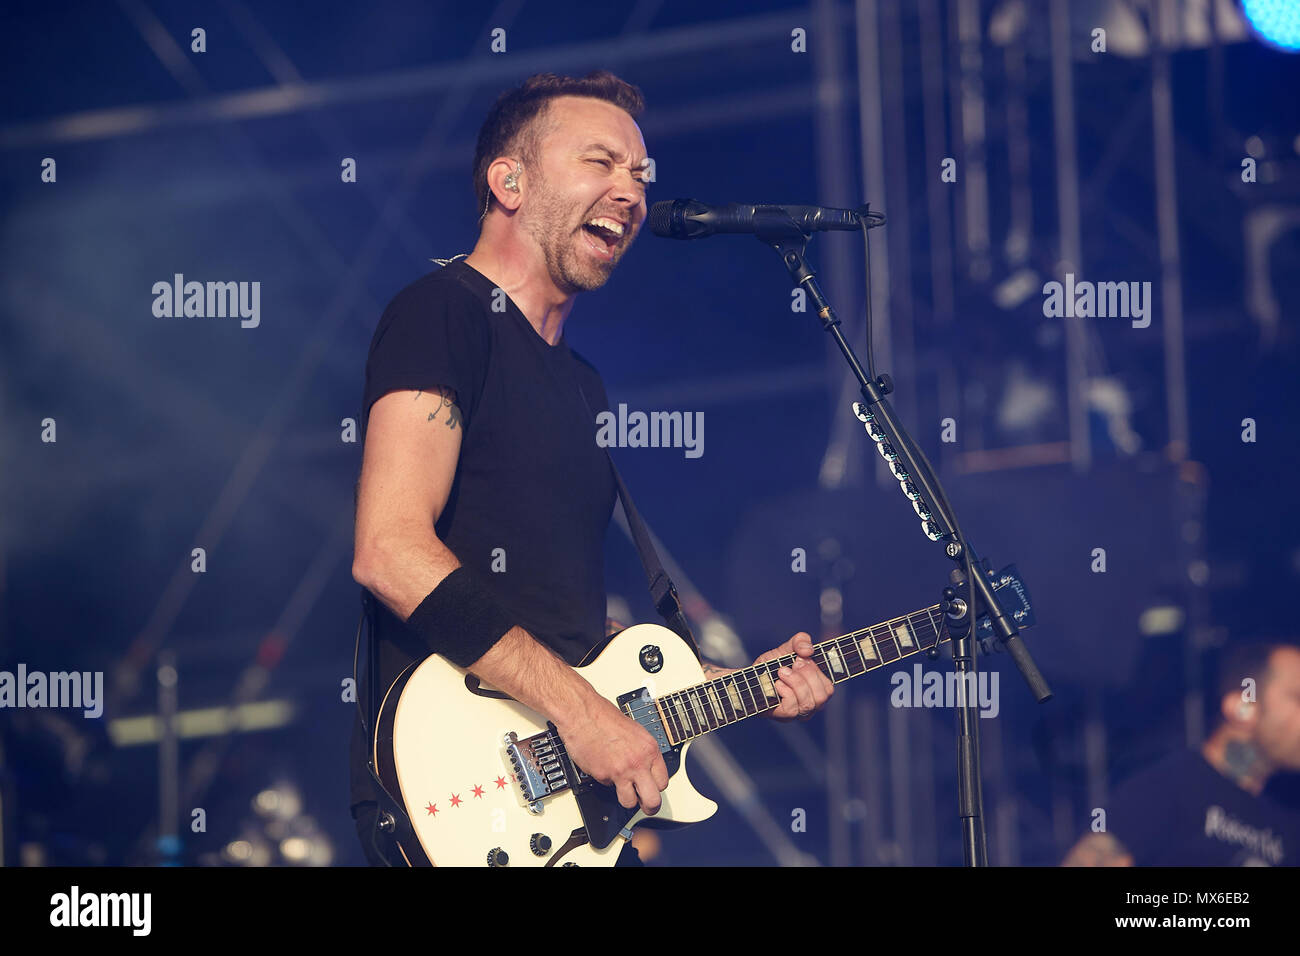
(750, 691)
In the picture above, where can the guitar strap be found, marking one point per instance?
(662, 590)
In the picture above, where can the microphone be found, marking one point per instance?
(692, 219)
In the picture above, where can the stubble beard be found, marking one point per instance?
(571, 269)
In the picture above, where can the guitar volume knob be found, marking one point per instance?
(540, 844)
(497, 857)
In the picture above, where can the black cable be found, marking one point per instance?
(869, 220)
(941, 504)
(866, 248)
(367, 620)
(363, 620)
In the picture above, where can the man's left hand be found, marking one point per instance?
(802, 686)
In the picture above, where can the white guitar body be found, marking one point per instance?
(485, 782)
(448, 762)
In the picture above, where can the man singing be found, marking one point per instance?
(477, 442)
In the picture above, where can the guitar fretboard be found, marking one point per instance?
(749, 691)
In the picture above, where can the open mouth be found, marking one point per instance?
(603, 236)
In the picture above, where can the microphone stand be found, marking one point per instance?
(967, 589)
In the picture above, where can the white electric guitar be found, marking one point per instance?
(484, 780)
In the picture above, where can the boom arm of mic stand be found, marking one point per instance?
(791, 249)
(1004, 628)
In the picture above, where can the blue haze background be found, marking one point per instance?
(183, 433)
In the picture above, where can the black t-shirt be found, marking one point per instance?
(1183, 812)
(533, 492)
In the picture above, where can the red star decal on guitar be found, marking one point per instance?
(501, 782)
(433, 809)
(456, 800)
(478, 791)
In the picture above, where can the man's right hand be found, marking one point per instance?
(616, 750)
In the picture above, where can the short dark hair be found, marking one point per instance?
(1240, 661)
(517, 121)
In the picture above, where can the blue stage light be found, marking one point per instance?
(1276, 22)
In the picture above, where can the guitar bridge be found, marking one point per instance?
(540, 765)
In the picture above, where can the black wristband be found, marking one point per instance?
(461, 618)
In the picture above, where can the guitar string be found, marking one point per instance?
(751, 674)
(820, 648)
(686, 707)
(751, 679)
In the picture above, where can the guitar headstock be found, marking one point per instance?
(1013, 594)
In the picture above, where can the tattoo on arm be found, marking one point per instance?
(453, 416)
